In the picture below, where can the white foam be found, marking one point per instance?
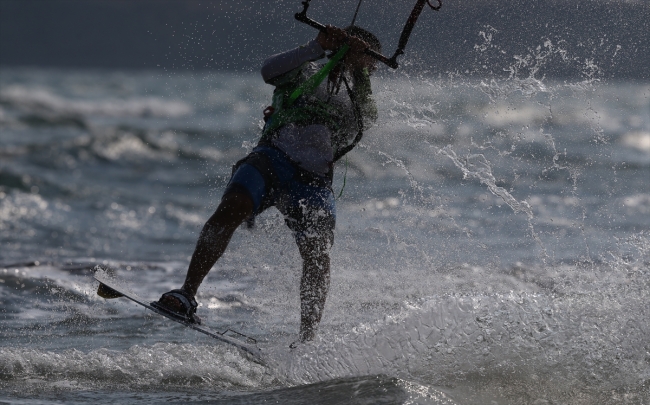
(638, 203)
(43, 100)
(163, 364)
(510, 339)
(129, 146)
(17, 206)
(639, 140)
(503, 115)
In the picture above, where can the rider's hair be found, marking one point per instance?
(335, 76)
(365, 35)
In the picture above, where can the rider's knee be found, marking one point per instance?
(234, 208)
(315, 250)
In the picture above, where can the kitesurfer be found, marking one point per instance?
(310, 126)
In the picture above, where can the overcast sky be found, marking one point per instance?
(480, 37)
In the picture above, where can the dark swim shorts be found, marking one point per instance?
(306, 200)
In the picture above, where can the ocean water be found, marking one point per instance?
(492, 244)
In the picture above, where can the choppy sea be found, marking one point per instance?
(492, 244)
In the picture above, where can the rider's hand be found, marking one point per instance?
(355, 59)
(333, 39)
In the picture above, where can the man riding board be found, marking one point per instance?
(310, 126)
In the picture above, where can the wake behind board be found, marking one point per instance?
(115, 289)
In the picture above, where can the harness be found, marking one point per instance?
(294, 103)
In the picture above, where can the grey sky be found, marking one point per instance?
(477, 37)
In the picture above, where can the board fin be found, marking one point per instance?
(107, 292)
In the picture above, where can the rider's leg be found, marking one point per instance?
(244, 196)
(312, 218)
(314, 284)
(234, 208)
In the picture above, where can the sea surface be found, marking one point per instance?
(492, 244)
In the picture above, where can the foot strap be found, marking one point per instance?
(188, 303)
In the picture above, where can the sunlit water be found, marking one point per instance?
(492, 244)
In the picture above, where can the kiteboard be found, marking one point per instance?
(110, 287)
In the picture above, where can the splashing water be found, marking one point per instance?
(491, 245)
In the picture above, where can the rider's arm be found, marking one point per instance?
(277, 65)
